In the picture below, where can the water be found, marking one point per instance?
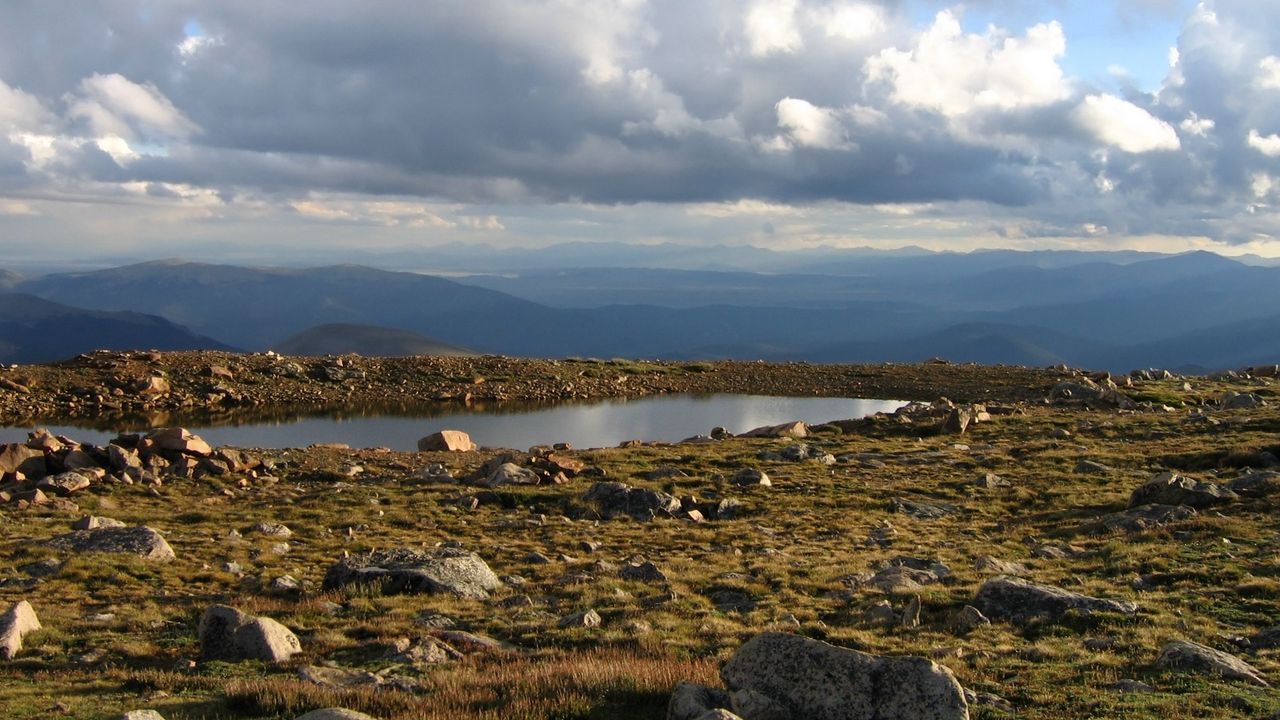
(603, 424)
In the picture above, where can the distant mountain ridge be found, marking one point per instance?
(998, 307)
(37, 330)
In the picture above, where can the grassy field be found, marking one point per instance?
(120, 633)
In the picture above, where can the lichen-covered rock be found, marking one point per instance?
(230, 635)
(138, 540)
(1169, 488)
(142, 715)
(813, 680)
(407, 570)
(1194, 657)
(15, 624)
(1019, 600)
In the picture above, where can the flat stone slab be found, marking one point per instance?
(1194, 657)
(138, 540)
(408, 570)
(1018, 600)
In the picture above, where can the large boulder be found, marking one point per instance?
(18, 458)
(407, 570)
(446, 441)
(138, 540)
(1194, 657)
(810, 679)
(230, 635)
(14, 625)
(1019, 601)
(1170, 488)
(615, 498)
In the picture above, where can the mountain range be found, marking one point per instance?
(1115, 311)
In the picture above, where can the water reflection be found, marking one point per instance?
(516, 425)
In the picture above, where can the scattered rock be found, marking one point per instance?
(750, 477)
(15, 624)
(142, 715)
(1090, 467)
(989, 564)
(180, 440)
(335, 714)
(691, 701)
(615, 498)
(511, 474)
(921, 510)
(817, 681)
(1241, 401)
(1256, 484)
(1020, 601)
(1169, 488)
(968, 619)
(93, 522)
(1194, 657)
(584, 619)
(645, 572)
(407, 570)
(230, 635)
(1144, 517)
(446, 441)
(791, 430)
(138, 540)
(990, 481)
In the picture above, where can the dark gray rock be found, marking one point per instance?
(922, 510)
(1019, 601)
(408, 570)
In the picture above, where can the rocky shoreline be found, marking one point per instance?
(107, 385)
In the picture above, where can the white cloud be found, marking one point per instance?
(1123, 125)
(954, 74)
(1262, 185)
(808, 125)
(114, 105)
(1268, 145)
(1193, 124)
(20, 111)
(850, 21)
(194, 44)
(1269, 73)
(771, 27)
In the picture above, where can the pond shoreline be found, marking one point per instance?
(109, 385)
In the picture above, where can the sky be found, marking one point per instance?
(258, 129)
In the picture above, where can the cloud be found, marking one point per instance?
(1268, 145)
(635, 109)
(954, 74)
(1124, 126)
(1269, 73)
(770, 27)
(113, 105)
(808, 125)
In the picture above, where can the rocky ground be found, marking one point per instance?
(1045, 544)
(110, 386)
